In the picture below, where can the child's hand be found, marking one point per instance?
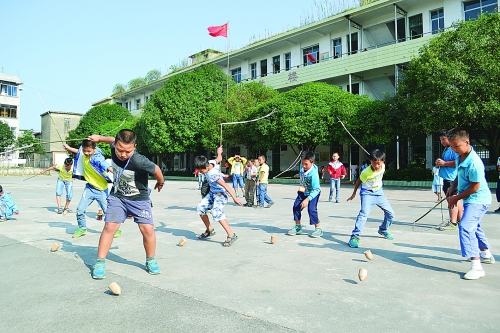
(296, 176)
(351, 197)
(17, 213)
(65, 146)
(304, 203)
(237, 201)
(94, 137)
(452, 202)
(219, 150)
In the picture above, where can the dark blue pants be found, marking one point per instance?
(312, 208)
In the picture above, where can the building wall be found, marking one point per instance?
(54, 131)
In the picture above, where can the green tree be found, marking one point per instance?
(153, 75)
(119, 88)
(136, 83)
(455, 81)
(173, 118)
(103, 119)
(25, 140)
(6, 136)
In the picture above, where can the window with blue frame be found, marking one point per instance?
(310, 55)
(253, 70)
(472, 9)
(8, 89)
(288, 61)
(437, 20)
(236, 74)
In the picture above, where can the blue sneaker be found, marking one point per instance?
(99, 269)
(386, 234)
(296, 230)
(152, 266)
(354, 242)
(316, 233)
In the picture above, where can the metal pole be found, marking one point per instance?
(396, 23)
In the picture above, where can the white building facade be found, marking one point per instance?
(10, 104)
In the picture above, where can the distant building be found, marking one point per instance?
(57, 129)
(10, 104)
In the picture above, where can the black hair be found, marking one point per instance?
(308, 155)
(1, 188)
(87, 143)
(68, 161)
(200, 162)
(126, 136)
(443, 132)
(458, 132)
(377, 155)
(264, 157)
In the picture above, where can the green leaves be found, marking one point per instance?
(6, 136)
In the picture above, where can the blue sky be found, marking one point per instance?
(74, 52)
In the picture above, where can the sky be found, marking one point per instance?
(73, 52)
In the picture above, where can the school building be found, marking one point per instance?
(360, 50)
(10, 108)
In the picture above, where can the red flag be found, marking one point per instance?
(217, 31)
(311, 58)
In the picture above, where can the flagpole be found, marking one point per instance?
(228, 70)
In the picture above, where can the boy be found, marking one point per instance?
(447, 171)
(372, 194)
(307, 196)
(91, 166)
(7, 206)
(237, 166)
(216, 199)
(129, 195)
(262, 182)
(250, 177)
(337, 171)
(437, 183)
(257, 193)
(64, 181)
(476, 196)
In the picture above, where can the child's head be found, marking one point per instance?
(249, 162)
(1, 190)
(335, 156)
(377, 159)
(443, 137)
(88, 148)
(125, 144)
(262, 159)
(68, 163)
(459, 142)
(201, 163)
(256, 162)
(237, 158)
(307, 160)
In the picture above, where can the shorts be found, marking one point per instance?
(64, 184)
(119, 208)
(216, 201)
(437, 188)
(446, 186)
(238, 180)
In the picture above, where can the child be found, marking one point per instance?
(337, 171)
(7, 206)
(322, 172)
(250, 177)
(437, 183)
(200, 176)
(216, 199)
(91, 166)
(473, 190)
(372, 194)
(64, 181)
(129, 195)
(262, 182)
(237, 166)
(257, 193)
(307, 196)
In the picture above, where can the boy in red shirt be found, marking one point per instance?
(337, 172)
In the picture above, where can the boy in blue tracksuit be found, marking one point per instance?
(307, 196)
(7, 206)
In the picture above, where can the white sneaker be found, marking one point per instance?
(474, 274)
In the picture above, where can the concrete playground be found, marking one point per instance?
(298, 284)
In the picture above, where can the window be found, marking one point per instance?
(146, 98)
(127, 106)
(120, 104)
(276, 64)
(288, 61)
(437, 20)
(337, 48)
(472, 9)
(263, 67)
(137, 104)
(416, 27)
(66, 125)
(310, 55)
(253, 70)
(236, 74)
(8, 89)
(352, 43)
(355, 88)
(8, 111)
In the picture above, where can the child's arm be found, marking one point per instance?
(159, 179)
(70, 149)
(453, 199)
(343, 172)
(228, 190)
(314, 193)
(101, 138)
(48, 169)
(219, 155)
(358, 182)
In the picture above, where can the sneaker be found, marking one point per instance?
(66, 211)
(354, 242)
(99, 217)
(152, 266)
(3, 219)
(296, 230)
(59, 211)
(443, 224)
(99, 270)
(237, 195)
(490, 260)
(497, 210)
(316, 233)
(118, 233)
(129, 216)
(474, 274)
(258, 206)
(386, 234)
(269, 205)
(79, 232)
(337, 201)
(448, 227)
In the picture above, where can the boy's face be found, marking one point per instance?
(335, 157)
(205, 170)
(68, 166)
(256, 162)
(88, 151)
(307, 164)
(460, 146)
(261, 160)
(124, 150)
(377, 165)
(444, 141)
